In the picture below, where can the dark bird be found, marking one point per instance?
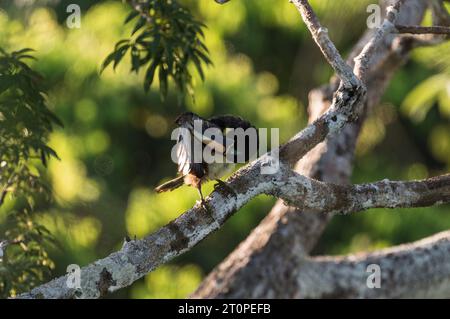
(231, 148)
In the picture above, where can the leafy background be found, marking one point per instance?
(115, 144)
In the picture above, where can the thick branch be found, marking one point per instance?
(416, 270)
(139, 257)
(320, 197)
(306, 193)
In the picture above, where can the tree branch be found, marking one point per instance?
(422, 30)
(320, 36)
(139, 257)
(420, 37)
(362, 61)
(306, 193)
(416, 270)
(348, 99)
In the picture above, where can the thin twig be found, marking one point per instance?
(320, 36)
(421, 30)
(362, 61)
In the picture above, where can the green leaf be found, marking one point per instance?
(120, 43)
(119, 54)
(149, 75)
(198, 65)
(203, 56)
(27, 56)
(131, 16)
(135, 59)
(107, 61)
(421, 99)
(49, 151)
(20, 52)
(139, 24)
(163, 85)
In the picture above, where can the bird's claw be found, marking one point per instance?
(127, 239)
(219, 183)
(202, 204)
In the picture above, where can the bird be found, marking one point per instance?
(193, 129)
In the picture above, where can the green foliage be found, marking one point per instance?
(165, 40)
(425, 95)
(25, 123)
(25, 263)
(433, 91)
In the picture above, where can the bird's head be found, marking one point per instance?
(187, 117)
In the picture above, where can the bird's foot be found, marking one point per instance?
(221, 185)
(128, 241)
(202, 203)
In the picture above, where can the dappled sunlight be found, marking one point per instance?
(73, 233)
(440, 143)
(169, 282)
(148, 211)
(228, 19)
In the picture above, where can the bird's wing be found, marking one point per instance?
(185, 155)
(230, 121)
(235, 122)
(184, 152)
(216, 141)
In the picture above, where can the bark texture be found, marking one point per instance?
(416, 270)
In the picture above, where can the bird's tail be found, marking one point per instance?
(170, 185)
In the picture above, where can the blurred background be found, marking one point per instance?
(115, 145)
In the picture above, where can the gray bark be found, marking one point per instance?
(417, 270)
